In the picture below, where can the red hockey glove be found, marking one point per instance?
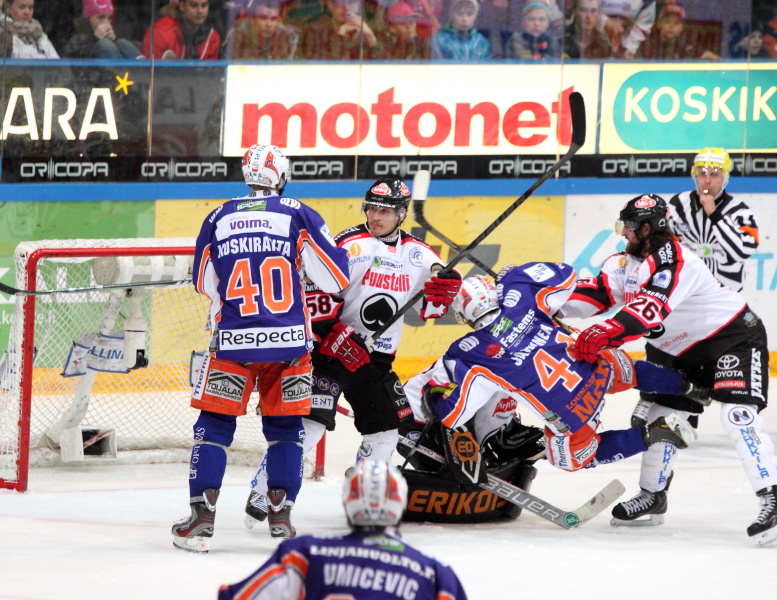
(345, 346)
(442, 288)
(596, 337)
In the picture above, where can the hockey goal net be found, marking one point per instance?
(68, 391)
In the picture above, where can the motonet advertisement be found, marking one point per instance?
(681, 108)
(393, 110)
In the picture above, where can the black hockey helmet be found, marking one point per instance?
(389, 192)
(647, 207)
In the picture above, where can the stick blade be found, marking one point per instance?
(609, 494)
(421, 181)
(577, 110)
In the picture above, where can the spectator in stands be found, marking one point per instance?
(581, 37)
(57, 17)
(428, 23)
(627, 24)
(460, 40)
(754, 42)
(28, 39)
(257, 33)
(186, 33)
(534, 40)
(668, 40)
(770, 36)
(95, 37)
(399, 39)
(336, 34)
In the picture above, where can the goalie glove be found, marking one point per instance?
(597, 337)
(345, 346)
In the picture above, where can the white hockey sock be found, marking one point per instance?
(747, 429)
(658, 460)
(314, 431)
(378, 446)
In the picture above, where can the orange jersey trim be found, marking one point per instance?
(340, 277)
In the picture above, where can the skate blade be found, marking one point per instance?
(651, 521)
(250, 521)
(197, 544)
(765, 537)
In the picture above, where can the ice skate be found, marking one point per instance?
(645, 504)
(672, 429)
(279, 515)
(256, 509)
(764, 529)
(194, 532)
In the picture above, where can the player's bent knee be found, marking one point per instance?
(283, 429)
(215, 428)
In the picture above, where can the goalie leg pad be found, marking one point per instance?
(284, 388)
(222, 387)
(463, 456)
(572, 452)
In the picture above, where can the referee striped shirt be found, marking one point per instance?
(723, 240)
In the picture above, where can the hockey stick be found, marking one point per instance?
(577, 110)
(421, 182)
(12, 291)
(515, 495)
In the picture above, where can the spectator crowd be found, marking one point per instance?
(349, 30)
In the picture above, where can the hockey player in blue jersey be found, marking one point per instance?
(519, 355)
(370, 563)
(250, 259)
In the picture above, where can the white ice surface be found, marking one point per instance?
(92, 532)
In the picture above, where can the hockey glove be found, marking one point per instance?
(431, 393)
(345, 346)
(597, 337)
(442, 288)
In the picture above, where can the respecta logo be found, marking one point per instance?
(645, 202)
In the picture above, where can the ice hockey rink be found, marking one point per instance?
(99, 532)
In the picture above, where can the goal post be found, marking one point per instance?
(105, 373)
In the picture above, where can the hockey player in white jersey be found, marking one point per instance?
(666, 294)
(388, 266)
(249, 259)
(370, 563)
(719, 229)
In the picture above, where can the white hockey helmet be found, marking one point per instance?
(266, 166)
(374, 495)
(477, 297)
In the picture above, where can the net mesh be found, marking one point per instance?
(148, 408)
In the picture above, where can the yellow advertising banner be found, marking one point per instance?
(534, 232)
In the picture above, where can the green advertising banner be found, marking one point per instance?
(32, 221)
(681, 108)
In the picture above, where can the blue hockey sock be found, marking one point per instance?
(618, 444)
(655, 379)
(213, 434)
(284, 455)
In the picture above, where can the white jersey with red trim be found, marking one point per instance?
(671, 296)
(249, 259)
(384, 276)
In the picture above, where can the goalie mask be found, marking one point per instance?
(266, 166)
(646, 208)
(476, 299)
(375, 495)
(711, 160)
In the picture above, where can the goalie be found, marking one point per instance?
(518, 354)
